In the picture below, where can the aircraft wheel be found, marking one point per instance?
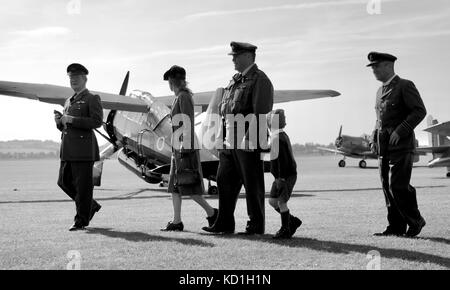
(212, 190)
(362, 164)
(448, 174)
(341, 163)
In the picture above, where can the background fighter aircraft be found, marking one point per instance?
(138, 126)
(357, 147)
(440, 143)
(354, 147)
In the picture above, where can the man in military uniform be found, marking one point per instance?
(79, 149)
(249, 94)
(399, 109)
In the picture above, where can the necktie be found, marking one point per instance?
(73, 97)
(237, 77)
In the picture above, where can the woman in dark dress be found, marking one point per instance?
(184, 153)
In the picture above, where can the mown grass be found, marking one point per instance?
(340, 208)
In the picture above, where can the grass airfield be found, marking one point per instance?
(340, 208)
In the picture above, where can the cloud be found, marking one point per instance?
(43, 32)
(278, 8)
(161, 53)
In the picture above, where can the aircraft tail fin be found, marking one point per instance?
(434, 139)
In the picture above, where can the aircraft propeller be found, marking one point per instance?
(113, 147)
(339, 139)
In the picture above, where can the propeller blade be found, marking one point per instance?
(123, 89)
(340, 132)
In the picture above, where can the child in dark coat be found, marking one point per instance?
(284, 168)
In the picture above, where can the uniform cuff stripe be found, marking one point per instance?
(408, 127)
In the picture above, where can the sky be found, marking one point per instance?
(301, 45)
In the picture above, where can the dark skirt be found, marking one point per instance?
(194, 189)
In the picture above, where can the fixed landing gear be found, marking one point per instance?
(163, 184)
(341, 163)
(362, 164)
(212, 189)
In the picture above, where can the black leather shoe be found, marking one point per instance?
(251, 230)
(415, 230)
(216, 229)
(390, 232)
(295, 223)
(95, 210)
(283, 233)
(174, 227)
(212, 219)
(76, 227)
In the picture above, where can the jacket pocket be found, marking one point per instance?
(238, 104)
(80, 146)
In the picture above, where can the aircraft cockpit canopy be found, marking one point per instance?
(158, 111)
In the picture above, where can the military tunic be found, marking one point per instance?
(251, 93)
(399, 108)
(79, 150)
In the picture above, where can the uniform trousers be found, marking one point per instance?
(400, 196)
(75, 179)
(237, 168)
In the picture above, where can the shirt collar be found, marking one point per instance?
(389, 80)
(247, 69)
(79, 93)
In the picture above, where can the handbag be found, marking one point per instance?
(187, 177)
(186, 172)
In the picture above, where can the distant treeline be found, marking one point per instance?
(37, 149)
(29, 149)
(29, 144)
(310, 149)
(29, 155)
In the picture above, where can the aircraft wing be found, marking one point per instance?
(440, 129)
(280, 96)
(433, 149)
(331, 150)
(57, 95)
(284, 96)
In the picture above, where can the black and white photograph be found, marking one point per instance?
(224, 139)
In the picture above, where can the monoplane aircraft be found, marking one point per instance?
(138, 126)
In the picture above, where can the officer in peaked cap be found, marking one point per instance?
(377, 57)
(249, 94)
(79, 149)
(399, 109)
(77, 69)
(241, 47)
